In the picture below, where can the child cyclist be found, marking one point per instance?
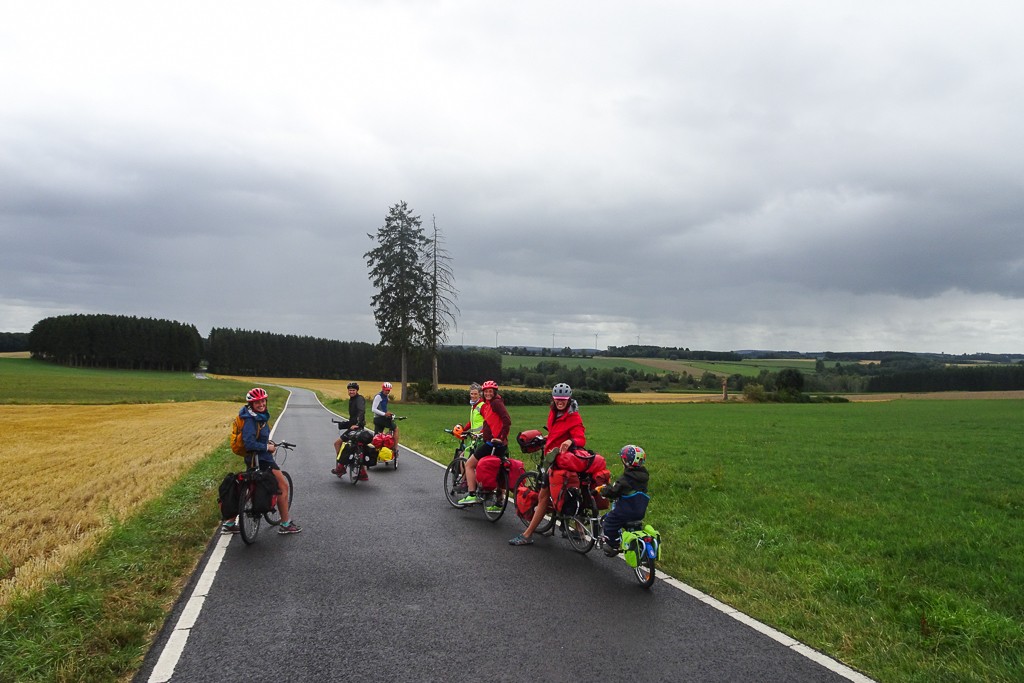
(630, 495)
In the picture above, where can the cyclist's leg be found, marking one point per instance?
(471, 473)
(538, 514)
(282, 497)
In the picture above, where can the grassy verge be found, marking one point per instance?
(888, 535)
(95, 622)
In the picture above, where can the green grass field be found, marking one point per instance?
(24, 381)
(888, 535)
(747, 368)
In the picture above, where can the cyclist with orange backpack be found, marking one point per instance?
(565, 432)
(260, 451)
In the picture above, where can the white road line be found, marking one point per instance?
(171, 654)
(164, 668)
(795, 645)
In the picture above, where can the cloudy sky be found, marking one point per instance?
(844, 176)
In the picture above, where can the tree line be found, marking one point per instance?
(13, 341)
(116, 341)
(669, 352)
(246, 352)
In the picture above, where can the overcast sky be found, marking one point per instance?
(810, 176)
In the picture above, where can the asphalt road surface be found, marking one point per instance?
(388, 582)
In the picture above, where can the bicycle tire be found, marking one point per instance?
(355, 464)
(274, 516)
(454, 475)
(499, 500)
(644, 568)
(579, 533)
(549, 519)
(248, 521)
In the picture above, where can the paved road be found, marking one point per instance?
(388, 582)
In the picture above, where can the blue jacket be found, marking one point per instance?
(256, 433)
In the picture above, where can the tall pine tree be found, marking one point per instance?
(402, 302)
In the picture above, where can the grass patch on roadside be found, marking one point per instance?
(888, 535)
(96, 620)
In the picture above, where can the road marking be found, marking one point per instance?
(175, 646)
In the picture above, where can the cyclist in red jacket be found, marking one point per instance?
(565, 433)
(497, 424)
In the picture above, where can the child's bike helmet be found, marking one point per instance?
(255, 394)
(632, 456)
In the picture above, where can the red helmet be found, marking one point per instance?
(457, 431)
(489, 384)
(386, 386)
(256, 394)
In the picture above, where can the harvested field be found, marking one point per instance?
(74, 470)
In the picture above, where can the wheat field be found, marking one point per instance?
(70, 472)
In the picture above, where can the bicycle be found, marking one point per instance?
(492, 500)
(640, 545)
(455, 473)
(249, 520)
(389, 439)
(578, 519)
(355, 440)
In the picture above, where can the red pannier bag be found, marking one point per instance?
(526, 501)
(487, 472)
(559, 481)
(515, 470)
(579, 460)
(600, 479)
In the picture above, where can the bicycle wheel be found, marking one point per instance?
(496, 501)
(578, 531)
(248, 521)
(532, 479)
(644, 568)
(355, 464)
(274, 516)
(453, 479)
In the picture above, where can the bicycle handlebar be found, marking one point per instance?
(284, 444)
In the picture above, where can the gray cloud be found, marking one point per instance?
(797, 176)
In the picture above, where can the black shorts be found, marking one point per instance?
(263, 464)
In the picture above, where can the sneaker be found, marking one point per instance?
(494, 508)
(289, 528)
(471, 499)
(230, 527)
(611, 549)
(363, 476)
(339, 470)
(521, 540)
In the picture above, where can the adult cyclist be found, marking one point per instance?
(382, 417)
(260, 451)
(497, 424)
(356, 421)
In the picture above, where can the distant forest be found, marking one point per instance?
(116, 341)
(113, 341)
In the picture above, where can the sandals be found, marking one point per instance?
(521, 540)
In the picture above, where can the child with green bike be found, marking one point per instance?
(629, 493)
